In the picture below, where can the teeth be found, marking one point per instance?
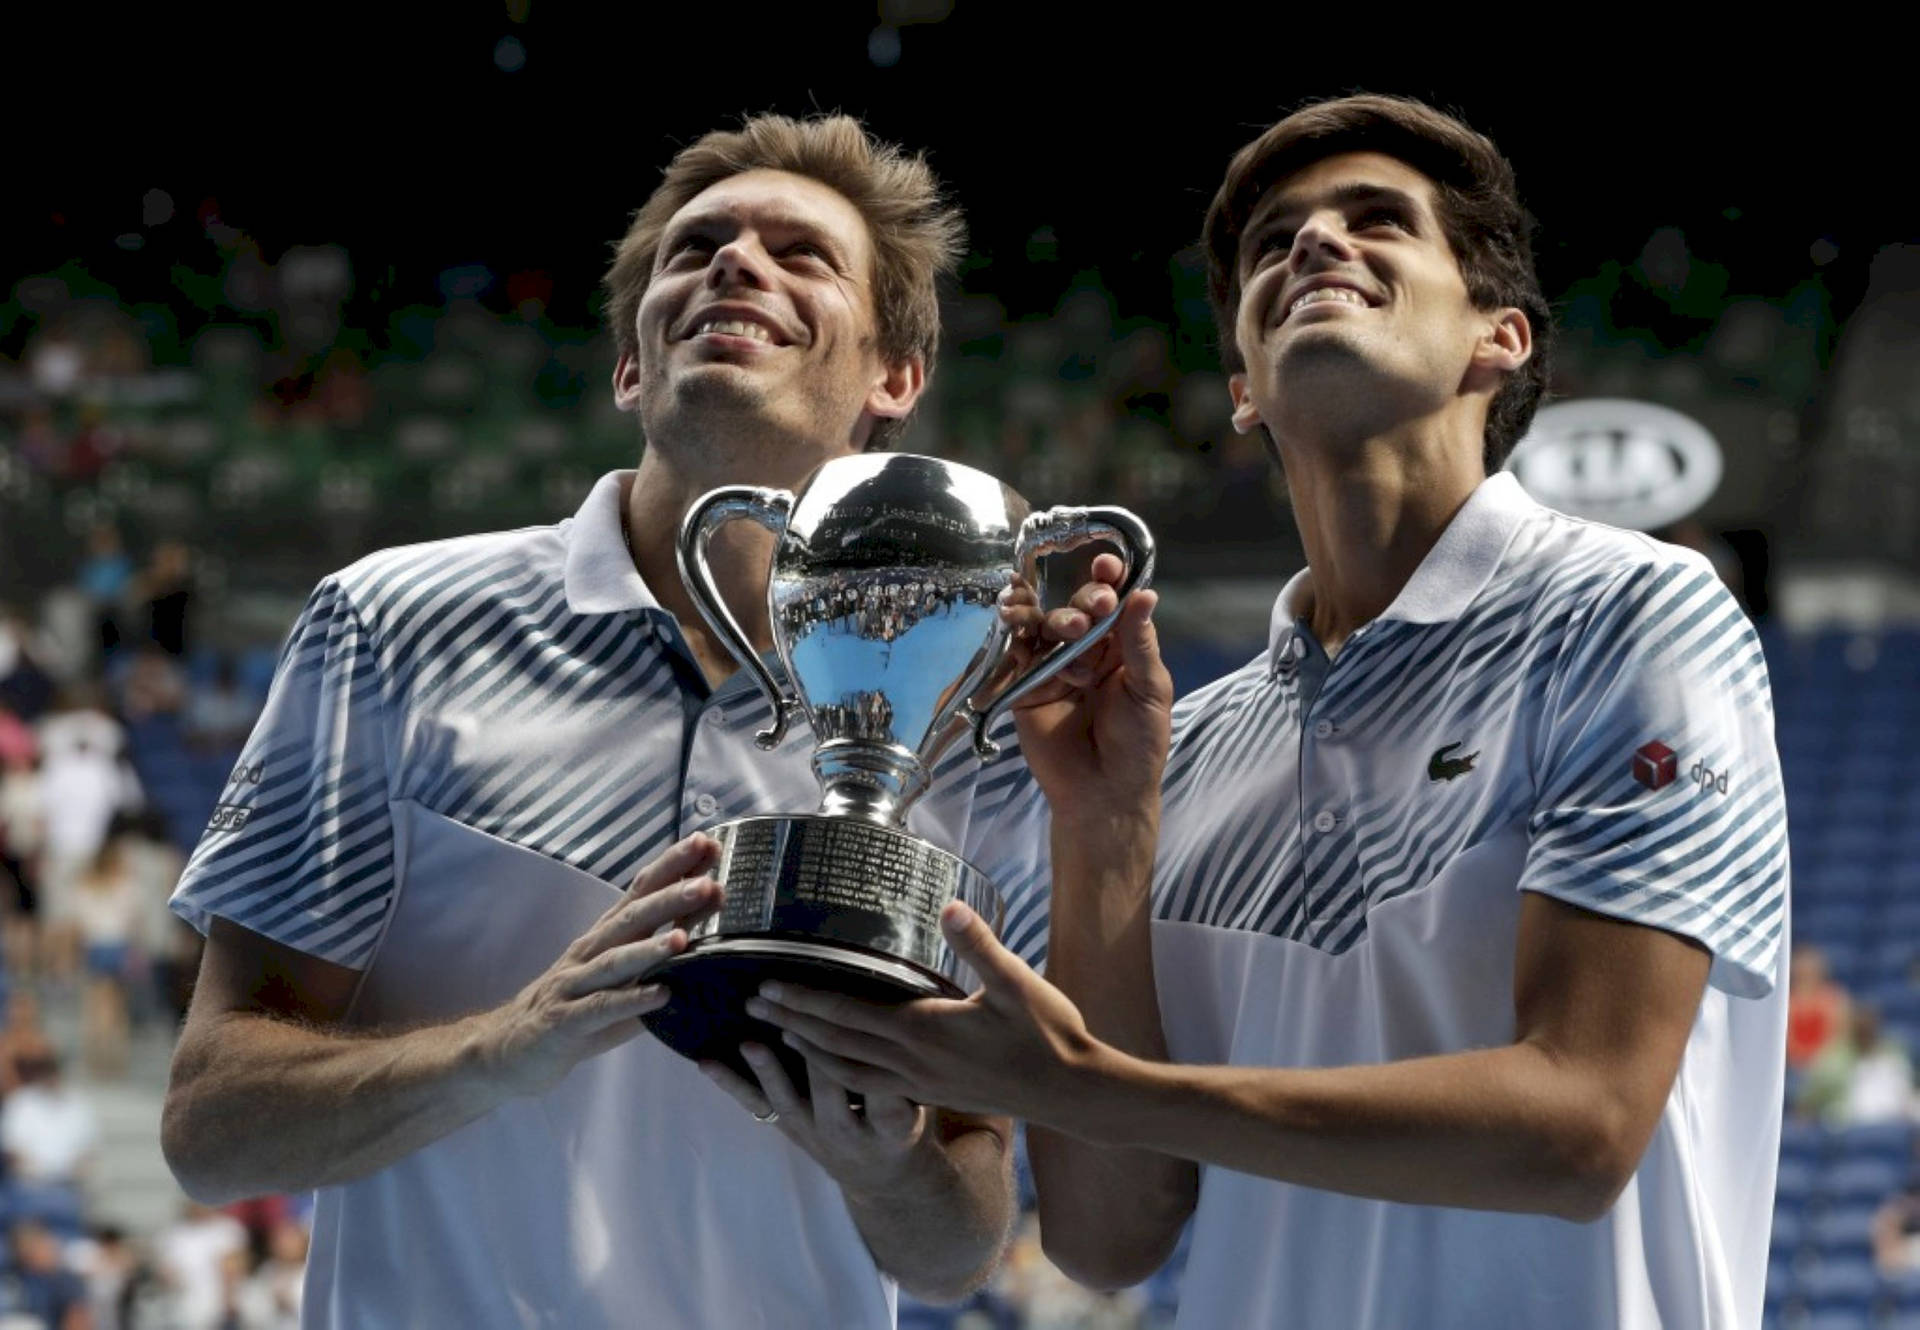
(734, 328)
(1319, 294)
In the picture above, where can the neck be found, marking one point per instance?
(740, 554)
(1370, 512)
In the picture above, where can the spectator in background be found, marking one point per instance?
(1816, 1006)
(104, 578)
(154, 686)
(84, 781)
(167, 587)
(25, 688)
(22, 836)
(220, 715)
(1863, 1077)
(48, 1129)
(109, 913)
(269, 1298)
(23, 1043)
(200, 1260)
(1896, 1231)
(37, 1288)
(111, 1268)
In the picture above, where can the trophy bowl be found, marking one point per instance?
(883, 597)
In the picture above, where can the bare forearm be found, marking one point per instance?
(1108, 1216)
(262, 1104)
(940, 1229)
(1490, 1129)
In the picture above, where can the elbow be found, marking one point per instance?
(1592, 1160)
(193, 1165)
(1093, 1262)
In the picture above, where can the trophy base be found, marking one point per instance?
(712, 980)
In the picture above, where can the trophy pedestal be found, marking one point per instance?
(823, 902)
(712, 980)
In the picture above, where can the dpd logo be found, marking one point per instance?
(1707, 779)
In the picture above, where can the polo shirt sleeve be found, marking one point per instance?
(1658, 792)
(1007, 840)
(300, 848)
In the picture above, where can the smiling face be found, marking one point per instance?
(758, 322)
(1353, 312)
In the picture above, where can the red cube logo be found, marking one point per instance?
(1654, 765)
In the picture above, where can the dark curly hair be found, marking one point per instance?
(1479, 211)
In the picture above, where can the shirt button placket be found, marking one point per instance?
(1324, 821)
(705, 804)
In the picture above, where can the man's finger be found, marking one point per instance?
(621, 965)
(1094, 599)
(893, 1117)
(743, 1094)
(683, 904)
(854, 1045)
(1140, 648)
(781, 1097)
(683, 859)
(832, 1110)
(848, 1013)
(852, 1075)
(967, 933)
(1108, 568)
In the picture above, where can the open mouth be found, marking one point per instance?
(733, 328)
(1327, 295)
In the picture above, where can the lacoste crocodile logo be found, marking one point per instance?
(1442, 767)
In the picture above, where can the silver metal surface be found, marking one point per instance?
(817, 881)
(884, 596)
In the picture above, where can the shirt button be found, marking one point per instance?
(716, 717)
(1323, 729)
(1324, 821)
(706, 805)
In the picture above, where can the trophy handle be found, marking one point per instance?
(1051, 532)
(713, 510)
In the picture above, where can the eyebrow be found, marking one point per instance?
(1352, 194)
(779, 222)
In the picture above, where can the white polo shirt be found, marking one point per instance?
(468, 750)
(1549, 705)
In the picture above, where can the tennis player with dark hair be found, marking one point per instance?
(427, 913)
(1461, 975)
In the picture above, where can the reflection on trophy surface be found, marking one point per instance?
(883, 599)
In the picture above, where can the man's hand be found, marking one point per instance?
(1018, 1046)
(865, 1152)
(1095, 734)
(589, 1000)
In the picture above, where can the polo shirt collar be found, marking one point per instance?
(600, 576)
(1453, 573)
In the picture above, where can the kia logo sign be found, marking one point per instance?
(1628, 464)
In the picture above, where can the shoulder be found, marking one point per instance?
(1577, 579)
(1211, 703)
(408, 584)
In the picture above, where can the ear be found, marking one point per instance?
(897, 387)
(1246, 416)
(626, 382)
(1506, 344)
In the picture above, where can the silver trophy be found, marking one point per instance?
(884, 595)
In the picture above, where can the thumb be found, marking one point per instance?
(1147, 675)
(972, 941)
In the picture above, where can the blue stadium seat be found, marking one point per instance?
(1796, 1181)
(1842, 1231)
(1803, 1141)
(1886, 1140)
(53, 1205)
(1862, 1181)
(1838, 1287)
(1829, 926)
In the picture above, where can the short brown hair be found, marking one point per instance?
(1479, 211)
(917, 234)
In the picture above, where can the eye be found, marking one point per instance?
(694, 246)
(1383, 216)
(805, 249)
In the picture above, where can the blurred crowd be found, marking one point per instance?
(1845, 1070)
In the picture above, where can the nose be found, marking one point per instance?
(1321, 239)
(740, 262)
